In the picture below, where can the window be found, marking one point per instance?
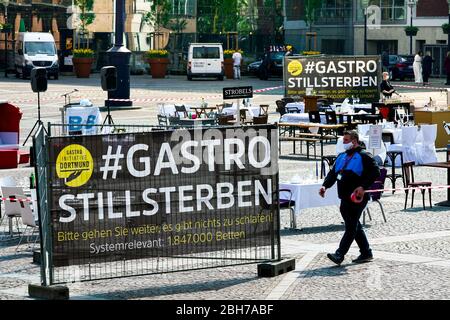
(183, 7)
(32, 48)
(206, 53)
(294, 10)
(392, 11)
(334, 12)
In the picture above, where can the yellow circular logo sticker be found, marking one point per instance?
(295, 68)
(75, 165)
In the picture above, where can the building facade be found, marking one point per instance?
(339, 27)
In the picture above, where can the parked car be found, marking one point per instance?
(275, 62)
(401, 67)
(253, 68)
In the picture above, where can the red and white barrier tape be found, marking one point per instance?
(52, 97)
(358, 200)
(420, 87)
(17, 199)
(410, 188)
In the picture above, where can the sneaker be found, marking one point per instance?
(335, 258)
(363, 258)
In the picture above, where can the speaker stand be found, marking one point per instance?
(38, 122)
(108, 119)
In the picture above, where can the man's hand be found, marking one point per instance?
(322, 192)
(359, 192)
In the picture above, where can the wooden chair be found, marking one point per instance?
(287, 100)
(224, 120)
(285, 203)
(264, 109)
(376, 196)
(181, 109)
(327, 161)
(243, 117)
(260, 119)
(219, 107)
(408, 179)
(163, 120)
(314, 116)
(281, 107)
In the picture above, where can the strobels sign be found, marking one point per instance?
(337, 77)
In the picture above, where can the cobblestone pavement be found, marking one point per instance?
(412, 250)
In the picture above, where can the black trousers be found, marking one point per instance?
(426, 76)
(351, 212)
(448, 78)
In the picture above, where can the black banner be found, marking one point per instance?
(237, 93)
(162, 194)
(336, 77)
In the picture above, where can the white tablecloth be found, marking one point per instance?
(300, 117)
(375, 152)
(86, 116)
(252, 111)
(307, 195)
(351, 107)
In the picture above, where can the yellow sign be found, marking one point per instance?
(69, 44)
(295, 68)
(75, 165)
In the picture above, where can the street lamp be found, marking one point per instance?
(365, 4)
(411, 4)
(5, 4)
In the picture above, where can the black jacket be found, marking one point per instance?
(358, 169)
(386, 86)
(427, 64)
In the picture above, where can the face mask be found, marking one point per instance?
(348, 146)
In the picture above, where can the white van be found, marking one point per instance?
(36, 49)
(205, 60)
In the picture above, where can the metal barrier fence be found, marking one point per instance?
(150, 200)
(40, 149)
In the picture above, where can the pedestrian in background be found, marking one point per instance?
(288, 50)
(354, 171)
(385, 60)
(417, 66)
(427, 67)
(447, 68)
(237, 59)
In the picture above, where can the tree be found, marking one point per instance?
(310, 11)
(159, 15)
(223, 16)
(86, 16)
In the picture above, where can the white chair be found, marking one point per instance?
(28, 213)
(408, 147)
(363, 129)
(13, 209)
(426, 150)
(340, 145)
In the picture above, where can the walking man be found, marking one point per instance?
(355, 171)
(237, 58)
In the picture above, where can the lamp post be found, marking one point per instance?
(119, 56)
(365, 4)
(5, 4)
(411, 4)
